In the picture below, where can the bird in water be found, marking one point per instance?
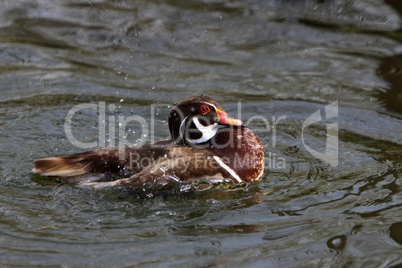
(205, 143)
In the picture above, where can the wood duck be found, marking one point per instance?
(205, 143)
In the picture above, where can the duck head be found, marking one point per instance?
(196, 120)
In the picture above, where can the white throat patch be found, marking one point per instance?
(207, 131)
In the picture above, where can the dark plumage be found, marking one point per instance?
(205, 143)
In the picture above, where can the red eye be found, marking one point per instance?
(204, 109)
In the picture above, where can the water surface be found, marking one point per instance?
(279, 59)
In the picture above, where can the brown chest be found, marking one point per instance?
(241, 150)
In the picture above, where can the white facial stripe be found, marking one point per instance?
(211, 105)
(207, 132)
(182, 125)
(228, 169)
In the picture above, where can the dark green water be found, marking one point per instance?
(279, 59)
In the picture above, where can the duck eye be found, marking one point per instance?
(204, 109)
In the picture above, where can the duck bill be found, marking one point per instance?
(225, 119)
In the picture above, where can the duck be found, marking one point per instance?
(205, 143)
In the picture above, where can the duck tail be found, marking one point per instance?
(59, 166)
(96, 161)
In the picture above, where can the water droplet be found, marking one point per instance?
(337, 242)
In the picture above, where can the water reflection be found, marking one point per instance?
(391, 70)
(279, 58)
(395, 232)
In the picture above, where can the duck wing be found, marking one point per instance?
(113, 160)
(179, 164)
